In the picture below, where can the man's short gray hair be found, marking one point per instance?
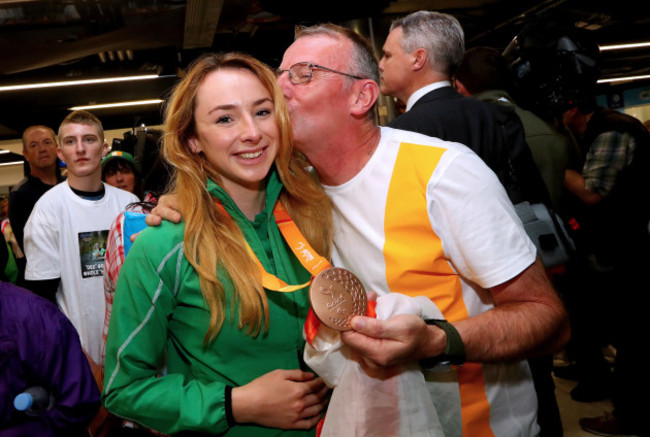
(441, 35)
(362, 62)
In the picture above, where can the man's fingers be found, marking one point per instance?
(364, 344)
(160, 213)
(368, 326)
(152, 220)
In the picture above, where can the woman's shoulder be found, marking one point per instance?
(158, 241)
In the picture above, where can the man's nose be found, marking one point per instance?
(79, 146)
(285, 83)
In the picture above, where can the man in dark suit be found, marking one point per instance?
(420, 54)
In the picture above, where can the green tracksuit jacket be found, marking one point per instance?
(159, 319)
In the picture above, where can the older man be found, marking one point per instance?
(423, 217)
(39, 150)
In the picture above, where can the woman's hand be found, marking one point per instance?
(285, 399)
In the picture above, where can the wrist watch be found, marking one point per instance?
(454, 352)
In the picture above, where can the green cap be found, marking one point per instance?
(118, 154)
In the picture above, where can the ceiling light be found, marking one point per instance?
(636, 45)
(12, 163)
(77, 82)
(117, 104)
(624, 79)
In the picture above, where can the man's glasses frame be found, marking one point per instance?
(299, 67)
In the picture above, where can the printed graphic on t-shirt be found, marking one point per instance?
(92, 249)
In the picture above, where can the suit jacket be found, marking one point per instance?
(493, 131)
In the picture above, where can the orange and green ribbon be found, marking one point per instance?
(308, 257)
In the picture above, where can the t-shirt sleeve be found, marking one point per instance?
(42, 245)
(476, 221)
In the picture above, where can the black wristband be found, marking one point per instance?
(454, 352)
(230, 419)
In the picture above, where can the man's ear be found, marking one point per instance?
(105, 149)
(461, 88)
(365, 97)
(59, 154)
(420, 59)
(195, 146)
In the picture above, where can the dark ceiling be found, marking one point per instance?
(80, 39)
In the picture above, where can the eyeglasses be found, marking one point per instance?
(302, 72)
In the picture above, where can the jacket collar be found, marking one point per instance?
(273, 188)
(416, 96)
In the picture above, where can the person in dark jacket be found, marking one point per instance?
(39, 150)
(40, 347)
(608, 304)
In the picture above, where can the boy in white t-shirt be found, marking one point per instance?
(65, 236)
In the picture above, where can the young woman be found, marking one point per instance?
(220, 299)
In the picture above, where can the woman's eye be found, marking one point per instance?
(224, 119)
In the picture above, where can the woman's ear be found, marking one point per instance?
(195, 146)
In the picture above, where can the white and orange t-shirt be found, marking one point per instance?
(426, 217)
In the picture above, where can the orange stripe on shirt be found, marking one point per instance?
(415, 266)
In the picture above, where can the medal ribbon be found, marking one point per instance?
(308, 257)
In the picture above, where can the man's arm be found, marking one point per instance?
(575, 183)
(528, 320)
(609, 154)
(18, 215)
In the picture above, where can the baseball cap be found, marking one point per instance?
(118, 154)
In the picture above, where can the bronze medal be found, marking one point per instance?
(336, 296)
